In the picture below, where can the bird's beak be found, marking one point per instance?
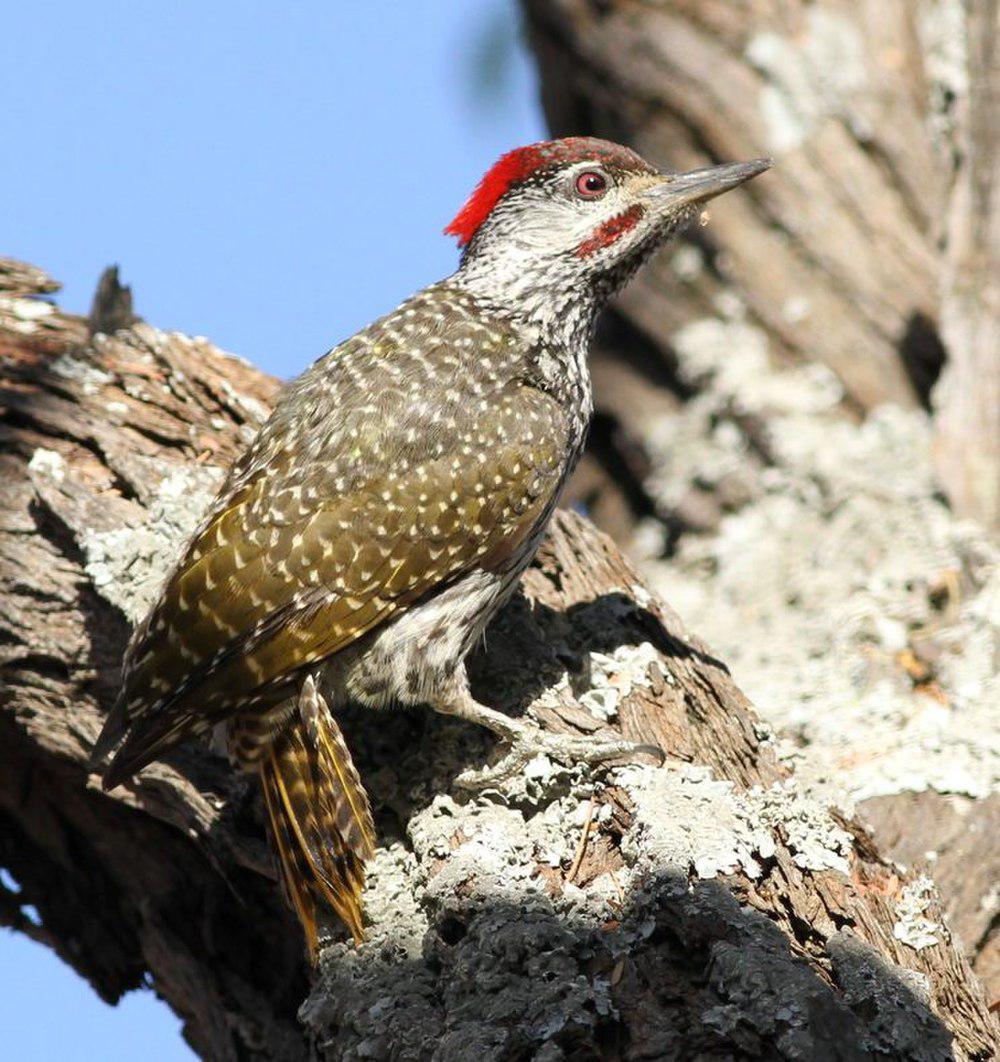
(676, 190)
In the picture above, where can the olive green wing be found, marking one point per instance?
(291, 569)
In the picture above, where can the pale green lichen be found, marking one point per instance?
(849, 569)
(604, 680)
(914, 927)
(128, 564)
(808, 77)
(47, 462)
(717, 831)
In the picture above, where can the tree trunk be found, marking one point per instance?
(858, 250)
(875, 231)
(968, 397)
(704, 909)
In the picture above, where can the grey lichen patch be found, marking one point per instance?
(733, 356)
(814, 839)
(469, 956)
(941, 25)
(478, 853)
(914, 925)
(709, 830)
(480, 948)
(614, 675)
(128, 564)
(875, 613)
(473, 955)
(522, 977)
(378, 1012)
(604, 680)
(486, 852)
(45, 462)
(808, 77)
(396, 916)
(713, 830)
(486, 845)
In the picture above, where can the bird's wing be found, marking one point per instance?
(290, 568)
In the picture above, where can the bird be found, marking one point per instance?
(385, 511)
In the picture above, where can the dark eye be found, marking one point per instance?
(591, 185)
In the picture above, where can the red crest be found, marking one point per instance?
(521, 163)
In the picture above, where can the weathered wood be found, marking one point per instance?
(834, 251)
(709, 908)
(871, 246)
(967, 399)
(953, 839)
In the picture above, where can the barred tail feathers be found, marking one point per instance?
(320, 818)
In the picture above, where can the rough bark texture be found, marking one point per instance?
(860, 615)
(740, 382)
(704, 909)
(968, 397)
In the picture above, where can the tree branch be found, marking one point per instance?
(714, 909)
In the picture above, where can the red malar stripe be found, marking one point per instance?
(613, 229)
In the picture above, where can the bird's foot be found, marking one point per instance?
(528, 741)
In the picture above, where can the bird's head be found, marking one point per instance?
(575, 217)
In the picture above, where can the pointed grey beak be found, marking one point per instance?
(687, 189)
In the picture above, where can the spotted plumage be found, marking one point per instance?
(352, 504)
(389, 505)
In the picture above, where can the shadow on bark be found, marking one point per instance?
(711, 979)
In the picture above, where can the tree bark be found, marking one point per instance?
(870, 247)
(967, 399)
(860, 249)
(703, 909)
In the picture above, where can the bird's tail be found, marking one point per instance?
(321, 822)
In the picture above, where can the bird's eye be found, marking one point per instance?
(591, 185)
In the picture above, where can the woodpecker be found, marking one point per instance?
(388, 507)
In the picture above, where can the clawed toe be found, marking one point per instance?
(624, 751)
(646, 755)
(532, 742)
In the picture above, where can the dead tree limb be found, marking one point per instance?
(704, 909)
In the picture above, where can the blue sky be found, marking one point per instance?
(272, 176)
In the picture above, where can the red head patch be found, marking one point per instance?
(521, 163)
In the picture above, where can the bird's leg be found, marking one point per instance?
(526, 741)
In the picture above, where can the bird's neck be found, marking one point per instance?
(557, 325)
(557, 315)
